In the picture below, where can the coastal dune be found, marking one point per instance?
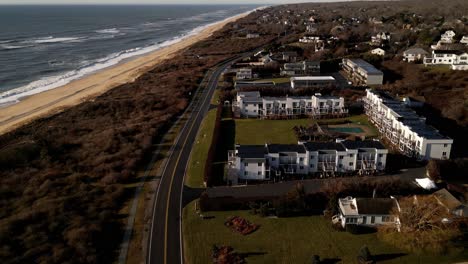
(88, 87)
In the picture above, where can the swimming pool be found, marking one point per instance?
(347, 129)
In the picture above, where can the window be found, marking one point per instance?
(246, 164)
(351, 220)
(311, 157)
(372, 219)
(379, 164)
(340, 165)
(283, 105)
(301, 159)
(351, 164)
(245, 173)
(444, 154)
(341, 157)
(255, 111)
(351, 155)
(268, 105)
(380, 155)
(259, 173)
(273, 159)
(445, 145)
(301, 167)
(312, 165)
(260, 164)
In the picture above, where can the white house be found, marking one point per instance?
(300, 68)
(312, 81)
(362, 72)
(464, 40)
(252, 35)
(318, 43)
(378, 51)
(367, 211)
(380, 38)
(447, 37)
(404, 128)
(251, 104)
(414, 54)
(244, 74)
(269, 161)
(457, 60)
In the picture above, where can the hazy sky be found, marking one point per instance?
(158, 1)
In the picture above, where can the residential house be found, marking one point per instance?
(404, 128)
(464, 40)
(456, 59)
(301, 68)
(367, 211)
(380, 38)
(289, 56)
(378, 51)
(414, 54)
(244, 74)
(252, 35)
(251, 104)
(445, 39)
(270, 161)
(361, 72)
(318, 43)
(452, 204)
(312, 82)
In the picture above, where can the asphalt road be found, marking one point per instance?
(165, 241)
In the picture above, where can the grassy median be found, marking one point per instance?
(196, 167)
(288, 240)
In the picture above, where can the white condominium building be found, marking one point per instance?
(265, 162)
(404, 128)
(251, 104)
(360, 72)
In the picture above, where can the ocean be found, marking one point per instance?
(44, 47)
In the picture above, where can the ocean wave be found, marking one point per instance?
(108, 31)
(50, 39)
(51, 82)
(12, 47)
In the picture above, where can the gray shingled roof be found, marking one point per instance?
(375, 206)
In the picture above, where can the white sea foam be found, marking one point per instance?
(51, 82)
(10, 47)
(51, 39)
(108, 31)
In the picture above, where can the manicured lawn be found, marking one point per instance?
(196, 167)
(276, 80)
(257, 132)
(286, 240)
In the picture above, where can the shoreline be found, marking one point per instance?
(97, 83)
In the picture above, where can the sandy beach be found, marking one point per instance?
(90, 86)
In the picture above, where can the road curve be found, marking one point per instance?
(165, 244)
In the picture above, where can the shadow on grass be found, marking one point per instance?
(250, 254)
(191, 194)
(385, 257)
(330, 261)
(226, 142)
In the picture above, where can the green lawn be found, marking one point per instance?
(196, 167)
(257, 132)
(276, 80)
(286, 240)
